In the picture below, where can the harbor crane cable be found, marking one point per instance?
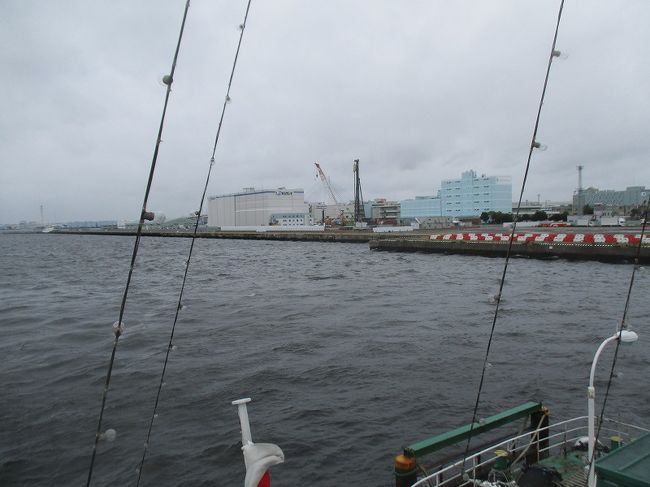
(534, 144)
(119, 325)
(620, 327)
(179, 304)
(326, 182)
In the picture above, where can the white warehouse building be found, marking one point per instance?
(253, 207)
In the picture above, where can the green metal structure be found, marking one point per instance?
(443, 440)
(627, 466)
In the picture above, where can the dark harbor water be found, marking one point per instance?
(348, 354)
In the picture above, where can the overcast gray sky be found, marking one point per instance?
(419, 91)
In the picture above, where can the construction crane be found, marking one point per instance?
(326, 182)
(359, 212)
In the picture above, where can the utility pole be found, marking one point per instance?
(359, 212)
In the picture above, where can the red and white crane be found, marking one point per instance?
(326, 182)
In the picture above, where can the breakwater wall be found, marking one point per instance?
(351, 236)
(604, 252)
(566, 245)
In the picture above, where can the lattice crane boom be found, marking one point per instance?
(326, 182)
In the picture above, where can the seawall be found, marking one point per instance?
(352, 236)
(538, 250)
(422, 242)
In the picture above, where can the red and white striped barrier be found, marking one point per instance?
(563, 238)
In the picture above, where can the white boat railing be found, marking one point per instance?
(560, 436)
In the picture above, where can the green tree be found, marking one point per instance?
(499, 217)
(559, 217)
(636, 213)
(539, 216)
(587, 210)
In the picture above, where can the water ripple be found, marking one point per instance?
(348, 354)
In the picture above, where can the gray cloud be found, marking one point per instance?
(419, 91)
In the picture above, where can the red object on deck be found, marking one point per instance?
(265, 481)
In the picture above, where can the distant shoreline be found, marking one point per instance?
(347, 236)
(419, 241)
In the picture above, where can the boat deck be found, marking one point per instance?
(628, 465)
(571, 467)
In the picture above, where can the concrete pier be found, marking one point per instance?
(578, 245)
(538, 250)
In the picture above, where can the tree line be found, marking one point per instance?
(498, 217)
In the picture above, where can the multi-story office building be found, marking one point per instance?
(258, 207)
(470, 195)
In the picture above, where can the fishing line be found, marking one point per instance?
(533, 145)
(619, 329)
(119, 325)
(179, 305)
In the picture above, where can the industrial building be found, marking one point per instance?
(421, 207)
(471, 195)
(631, 197)
(251, 207)
(384, 212)
(468, 196)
